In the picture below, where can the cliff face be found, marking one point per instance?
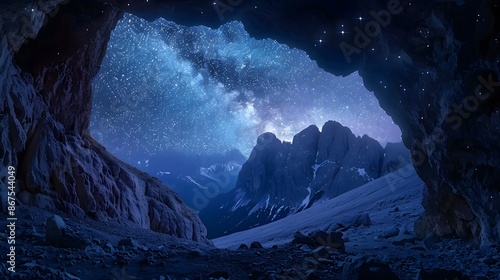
(282, 178)
(433, 65)
(46, 92)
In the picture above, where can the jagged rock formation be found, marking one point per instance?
(197, 179)
(395, 157)
(281, 178)
(46, 90)
(433, 65)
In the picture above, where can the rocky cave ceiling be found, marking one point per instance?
(433, 65)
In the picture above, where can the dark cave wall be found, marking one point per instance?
(47, 93)
(433, 65)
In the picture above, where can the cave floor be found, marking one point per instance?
(159, 256)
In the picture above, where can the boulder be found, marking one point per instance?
(255, 245)
(54, 229)
(364, 268)
(436, 273)
(390, 232)
(431, 239)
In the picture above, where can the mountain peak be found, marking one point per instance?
(281, 178)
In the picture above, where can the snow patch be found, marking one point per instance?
(196, 183)
(240, 196)
(362, 172)
(378, 198)
(306, 200)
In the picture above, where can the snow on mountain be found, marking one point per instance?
(316, 166)
(378, 198)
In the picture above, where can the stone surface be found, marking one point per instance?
(281, 178)
(255, 245)
(437, 81)
(396, 157)
(54, 229)
(431, 274)
(430, 240)
(390, 232)
(364, 268)
(46, 86)
(184, 259)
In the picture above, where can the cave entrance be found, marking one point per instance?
(168, 96)
(163, 85)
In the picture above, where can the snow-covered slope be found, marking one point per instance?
(378, 198)
(282, 178)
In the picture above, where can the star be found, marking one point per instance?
(198, 90)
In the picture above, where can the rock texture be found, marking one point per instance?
(281, 178)
(433, 65)
(46, 92)
(196, 178)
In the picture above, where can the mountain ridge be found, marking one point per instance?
(281, 178)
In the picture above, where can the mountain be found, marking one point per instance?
(373, 201)
(281, 178)
(195, 178)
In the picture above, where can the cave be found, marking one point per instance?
(432, 65)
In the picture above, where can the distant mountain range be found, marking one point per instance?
(195, 178)
(280, 178)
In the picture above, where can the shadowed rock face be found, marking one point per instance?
(46, 88)
(282, 178)
(433, 65)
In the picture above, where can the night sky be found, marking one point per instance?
(198, 90)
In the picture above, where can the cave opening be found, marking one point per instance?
(199, 90)
(171, 99)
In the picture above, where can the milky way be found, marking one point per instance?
(198, 90)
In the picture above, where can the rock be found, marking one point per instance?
(361, 164)
(358, 220)
(451, 150)
(312, 274)
(316, 165)
(430, 240)
(128, 242)
(320, 253)
(28, 217)
(71, 240)
(305, 248)
(63, 167)
(490, 261)
(243, 247)
(326, 261)
(54, 229)
(321, 237)
(396, 157)
(94, 249)
(256, 245)
(300, 238)
(403, 241)
(390, 232)
(218, 275)
(257, 274)
(364, 268)
(433, 274)
(108, 247)
(422, 226)
(336, 241)
(196, 253)
(418, 248)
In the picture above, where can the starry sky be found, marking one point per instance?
(163, 86)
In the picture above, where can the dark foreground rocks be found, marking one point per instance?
(363, 268)
(116, 251)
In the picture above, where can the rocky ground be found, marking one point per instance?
(52, 248)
